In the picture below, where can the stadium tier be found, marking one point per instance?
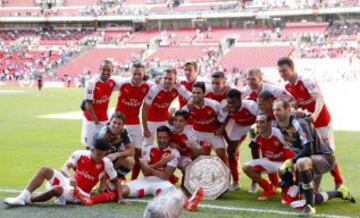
(91, 59)
(293, 31)
(181, 53)
(80, 2)
(18, 3)
(261, 56)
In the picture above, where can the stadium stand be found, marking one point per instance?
(246, 57)
(90, 60)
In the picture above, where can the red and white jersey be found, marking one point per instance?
(302, 91)
(99, 93)
(245, 116)
(88, 172)
(217, 97)
(205, 118)
(130, 100)
(180, 139)
(250, 94)
(159, 100)
(188, 86)
(153, 154)
(274, 147)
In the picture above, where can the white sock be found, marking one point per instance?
(25, 195)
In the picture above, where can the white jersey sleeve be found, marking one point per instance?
(223, 113)
(311, 86)
(109, 168)
(183, 92)
(175, 158)
(119, 82)
(146, 153)
(245, 92)
(89, 90)
(192, 139)
(252, 106)
(153, 92)
(76, 155)
(277, 133)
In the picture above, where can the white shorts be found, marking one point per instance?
(149, 185)
(89, 130)
(327, 134)
(153, 127)
(136, 134)
(235, 131)
(68, 191)
(266, 165)
(217, 142)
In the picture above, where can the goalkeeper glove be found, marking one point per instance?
(285, 166)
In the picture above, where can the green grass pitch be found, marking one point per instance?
(28, 142)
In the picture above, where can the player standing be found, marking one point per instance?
(131, 96)
(98, 92)
(308, 97)
(157, 102)
(242, 114)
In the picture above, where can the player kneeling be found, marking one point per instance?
(89, 166)
(274, 150)
(122, 148)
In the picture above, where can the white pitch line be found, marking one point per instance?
(254, 210)
(210, 206)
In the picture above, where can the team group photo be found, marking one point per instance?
(195, 108)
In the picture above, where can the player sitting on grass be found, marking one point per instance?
(88, 165)
(158, 165)
(274, 150)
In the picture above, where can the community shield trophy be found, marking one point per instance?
(210, 173)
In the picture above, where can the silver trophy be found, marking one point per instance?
(210, 173)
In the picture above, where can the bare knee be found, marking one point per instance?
(129, 162)
(304, 164)
(46, 172)
(247, 168)
(57, 190)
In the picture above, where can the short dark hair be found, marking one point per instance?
(118, 115)
(233, 93)
(170, 70)
(200, 85)
(218, 74)
(100, 141)
(182, 113)
(193, 64)
(163, 129)
(266, 95)
(106, 62)
(285, 61)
